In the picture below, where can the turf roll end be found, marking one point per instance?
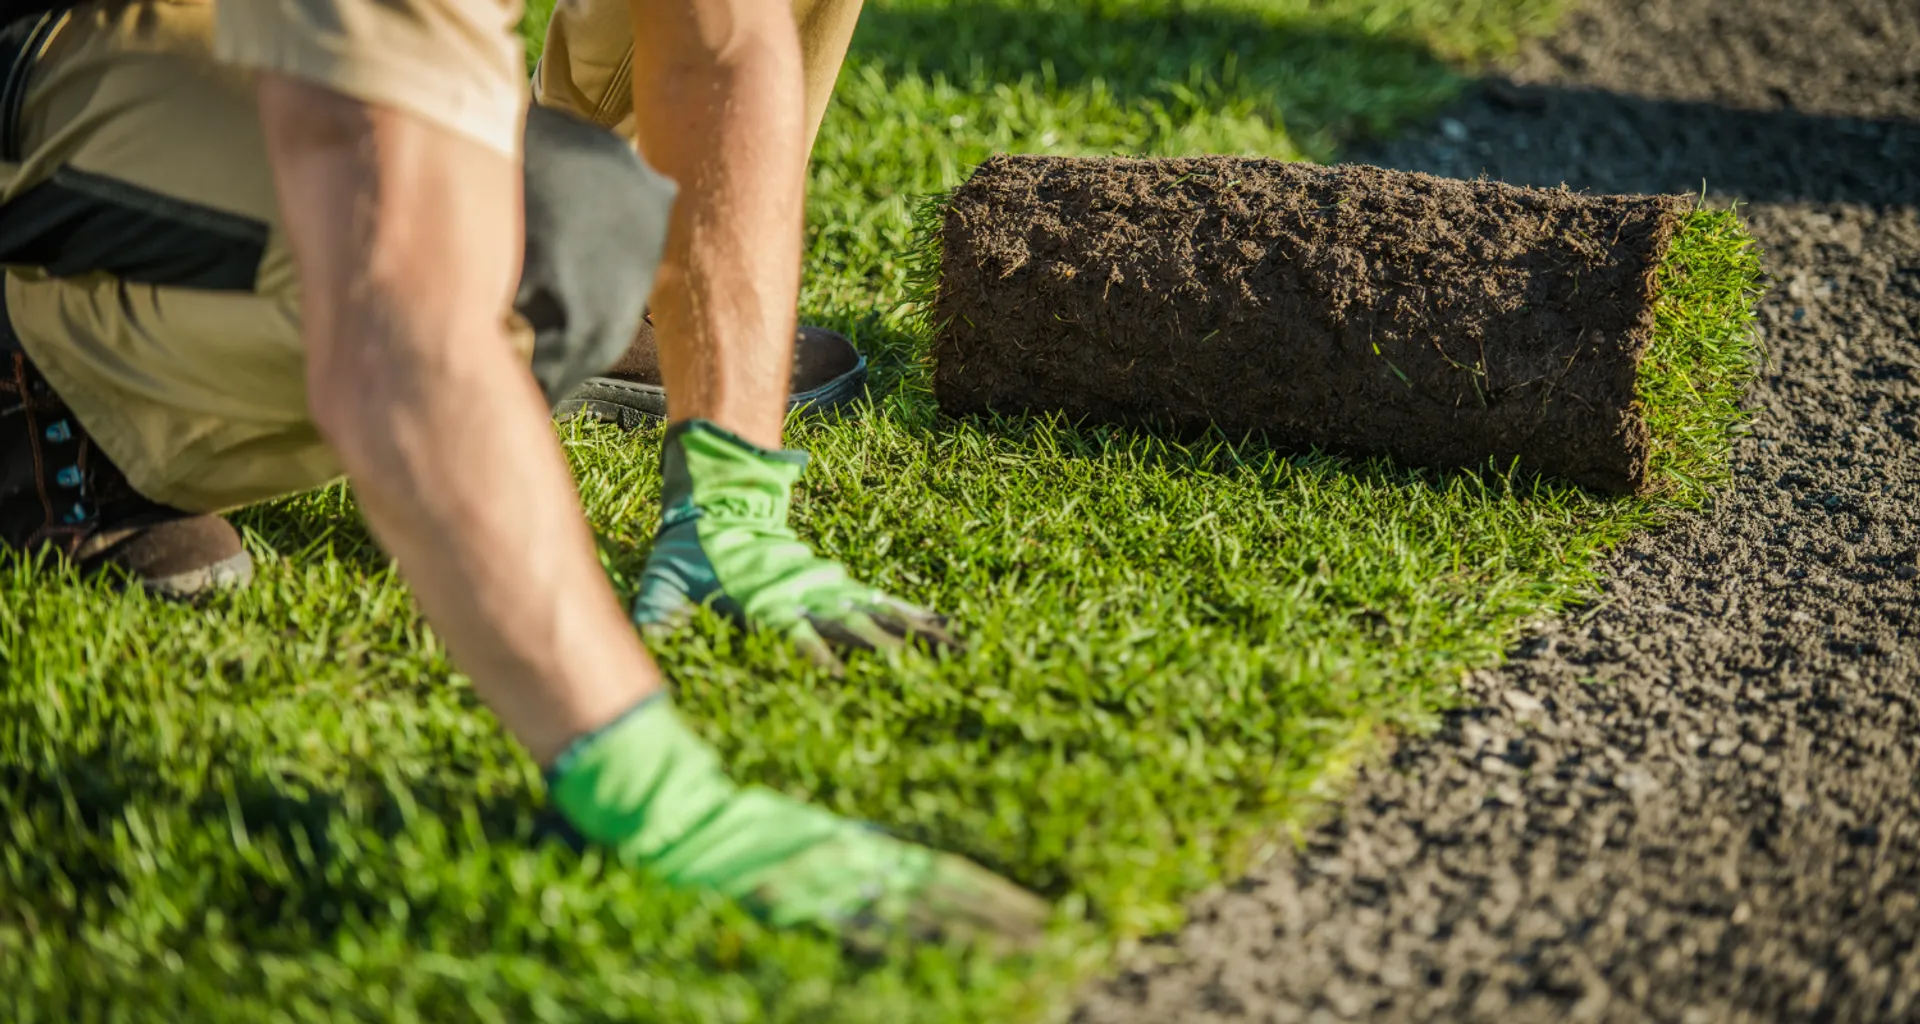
(1703, 355)
(1605, 340)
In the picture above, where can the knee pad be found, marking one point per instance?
(596, 230)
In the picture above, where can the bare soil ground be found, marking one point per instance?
(1697, 799)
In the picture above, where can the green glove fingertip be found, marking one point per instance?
(724, 542)
(653, 793)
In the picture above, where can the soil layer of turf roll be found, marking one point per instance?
(1355, 309)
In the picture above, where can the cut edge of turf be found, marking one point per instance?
(1692, 381)
(921, 261)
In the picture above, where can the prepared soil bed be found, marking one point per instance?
(1356, 309)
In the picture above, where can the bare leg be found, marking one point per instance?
(726, 358)
(727, 127)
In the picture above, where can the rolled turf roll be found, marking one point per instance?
(1354, 309)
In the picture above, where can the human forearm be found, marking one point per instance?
(723, 114)
(441, 428)
(461, 481)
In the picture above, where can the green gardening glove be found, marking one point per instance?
(724, 542)
(653, 793)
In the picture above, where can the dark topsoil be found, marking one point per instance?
(1698, 799)
(1355, 309)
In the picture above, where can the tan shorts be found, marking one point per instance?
(181, 354)
(458, 63)
(147, 276)
(586, 67)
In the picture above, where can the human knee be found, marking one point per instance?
(596, 230)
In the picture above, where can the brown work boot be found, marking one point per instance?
(58, 491)
(829, 374)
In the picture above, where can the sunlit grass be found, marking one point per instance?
(288, 806)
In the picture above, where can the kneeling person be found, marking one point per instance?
(235, 278)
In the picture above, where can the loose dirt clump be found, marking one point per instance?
(1694, 801)
(1353, 308)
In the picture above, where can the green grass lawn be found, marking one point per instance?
(289, 806)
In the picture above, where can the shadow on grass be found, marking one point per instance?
(1337, 83)
(1213, 453)
(95, 796)
(319, 525)
(1326, 76)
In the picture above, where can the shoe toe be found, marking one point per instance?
(828, 371)
(174, 555)
(821, 356)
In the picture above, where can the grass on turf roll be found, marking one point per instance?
(1605, 340)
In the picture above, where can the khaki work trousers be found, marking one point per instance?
(148, 280)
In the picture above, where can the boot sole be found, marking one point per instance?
(634, 405)
(227, 574)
